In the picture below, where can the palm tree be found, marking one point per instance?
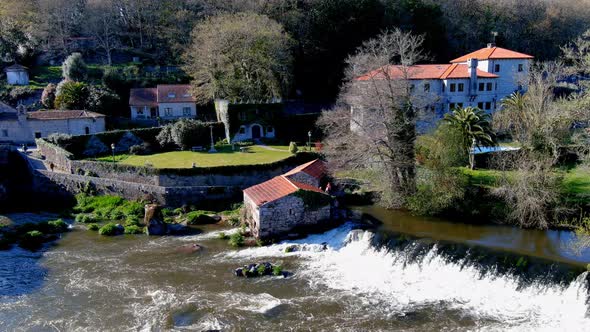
(475, 128)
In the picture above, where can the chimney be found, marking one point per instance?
(472, 70)
(490, 45)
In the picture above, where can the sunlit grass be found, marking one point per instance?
(254, 155)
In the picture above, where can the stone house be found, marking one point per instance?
(17, 75)
(283, 203)
(166, 101)
(20, 126)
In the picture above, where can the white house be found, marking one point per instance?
(17, 75)
(164, 101)
(20, 127)
(479, 79)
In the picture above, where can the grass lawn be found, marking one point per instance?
(225, 156)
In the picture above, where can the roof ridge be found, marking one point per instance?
(289, 180)
(448, 71)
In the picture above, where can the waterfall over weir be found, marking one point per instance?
(414, 279)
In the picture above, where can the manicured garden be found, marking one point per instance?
(252, 155)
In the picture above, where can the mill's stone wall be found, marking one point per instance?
(282, 216)
(305, 178)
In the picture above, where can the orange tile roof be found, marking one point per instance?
(175, 93)
(315, 168)
(492, 53)
(143, 97)
(424, 72)
(270, 190)
(462, 71)
(281, 186)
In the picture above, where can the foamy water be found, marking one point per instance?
(393, 285)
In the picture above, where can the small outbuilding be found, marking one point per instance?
(283, 203)
(17, 75)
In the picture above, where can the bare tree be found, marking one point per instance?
(531, 189)
(536, 119)
(103, 24)
(377, 124)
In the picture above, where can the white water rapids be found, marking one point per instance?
(393, 286)
(340, 282)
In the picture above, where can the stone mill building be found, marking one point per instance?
(288, 201)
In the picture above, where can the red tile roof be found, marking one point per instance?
(270, 190)
(462, 71)
(143, 97)
(492, 53)
(175, 93)
(62, 115)
(281, 186)
(315, 168)
(424, 72)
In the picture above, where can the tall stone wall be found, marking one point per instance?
(283, 215)
(134, 174)
(60, 158)
(66, 185)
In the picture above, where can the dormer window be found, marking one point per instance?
(171, 95)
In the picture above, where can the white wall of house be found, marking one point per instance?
(15, 132)
(17, 77)
(142, 112)
(80, 126)
(26, 130)
(177, 110)
(249, 131)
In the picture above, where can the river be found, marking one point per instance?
(401, 275)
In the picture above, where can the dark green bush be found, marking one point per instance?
(93, 227)
(199, 218)
(57, 226)
(109, 229)
(236, 240)
(277, 270)
(86, 218)
(133, 229)
(32, 240)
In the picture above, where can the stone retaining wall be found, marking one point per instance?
(60, 158)
(67, 185)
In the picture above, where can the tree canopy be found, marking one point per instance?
(239, 57)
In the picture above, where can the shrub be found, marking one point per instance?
(32, 240)
(59, 139)
(57, 226)
(93, 227)
(437, 190)
(110, 229)
(199, 218)
(277, 270)
(101, 100)
(236, 240)
(133, 229)
(222, 236)
(71, 95)
(261, 270)
(48, 96)
(74, 68)
(293, 147)
(184, 133)
(86, 218)
(139, 149)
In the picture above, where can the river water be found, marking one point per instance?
(348, 279)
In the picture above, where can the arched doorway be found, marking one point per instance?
(87, 130)
(256, 131)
